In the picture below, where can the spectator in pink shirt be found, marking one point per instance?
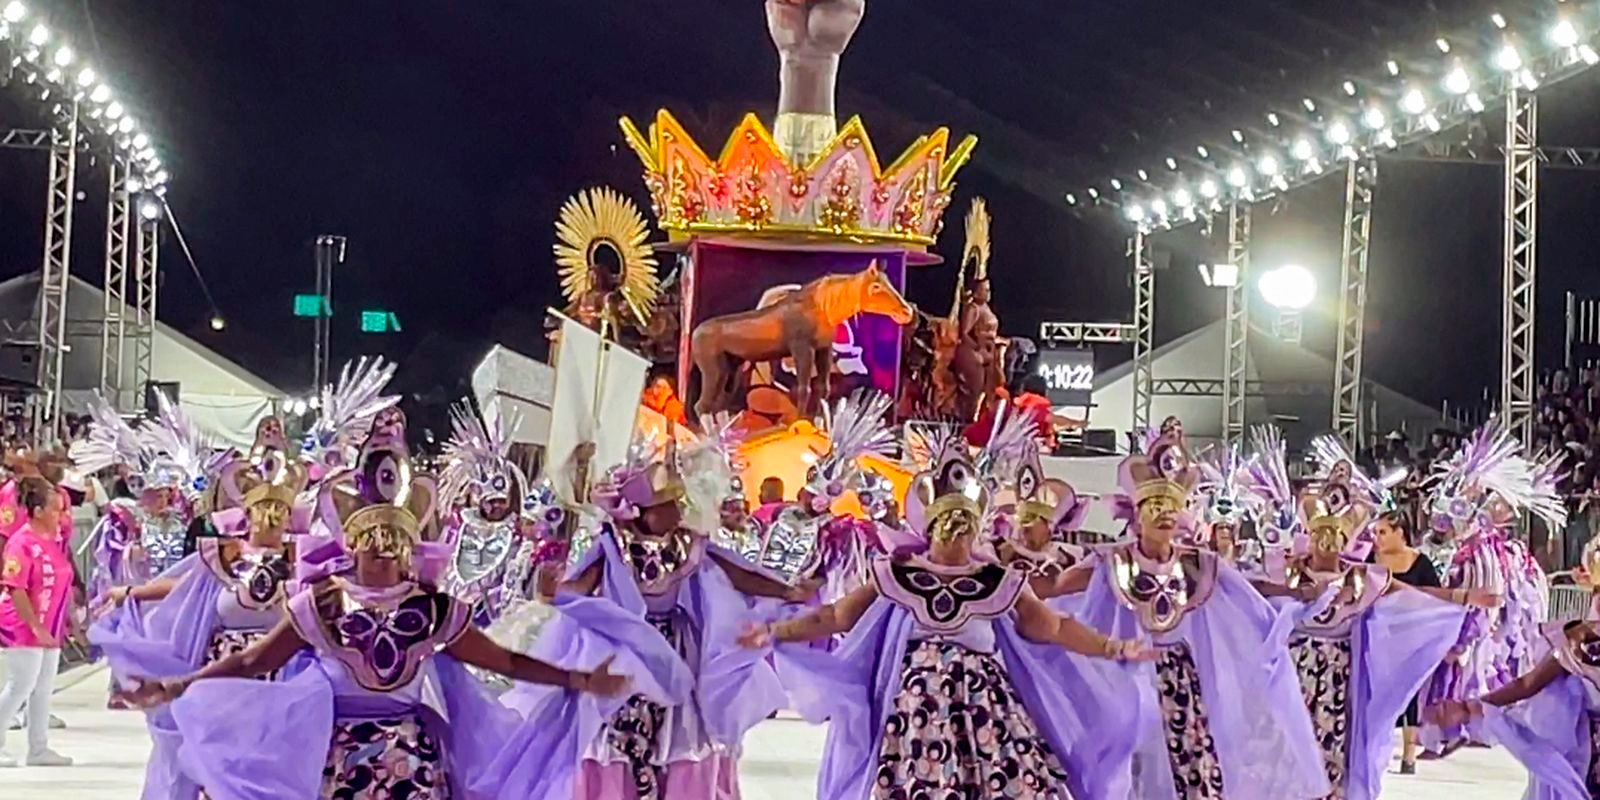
(36, 578)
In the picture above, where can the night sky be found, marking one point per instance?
(441, 138)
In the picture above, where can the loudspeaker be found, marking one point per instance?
(151, 403)
(1104, 439)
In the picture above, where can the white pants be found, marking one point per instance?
(30, 678)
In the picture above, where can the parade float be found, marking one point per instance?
(792, 247)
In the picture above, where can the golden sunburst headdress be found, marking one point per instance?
(977, 248)
(600, 218)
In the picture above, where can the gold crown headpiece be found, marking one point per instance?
(387, 529)
(754, 188)
(1332, 516)
(951, 497)
(1165, 471)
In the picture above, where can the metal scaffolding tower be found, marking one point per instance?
(113, 333)
(1521, 261)
(1236, 326)
(1361, 178)
(1144, 322)
(146, 279)
(53, 277)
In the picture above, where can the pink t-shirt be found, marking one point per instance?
(13, 517)
(40, 567)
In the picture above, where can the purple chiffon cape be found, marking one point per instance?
(1259, 722)
(1090, 710)
(734, 688)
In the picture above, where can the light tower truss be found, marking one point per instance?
(1361, 179)
(1520, 262)
(146, 279)
(55, 272)
(114, 330)
(1144, 320)
(1236, 326)
(1086, 332)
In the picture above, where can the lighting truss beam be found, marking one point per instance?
(25, 139)
(1576, 158)
(1361, 178)
(114, 331)
(1520, 262)
(144, 315)
(1236, 326)
(1212, 387)
(1144, 321)
(53, 275)
(1085, 332)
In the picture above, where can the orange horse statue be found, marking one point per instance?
(799, 326)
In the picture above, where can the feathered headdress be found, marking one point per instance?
(1273, 502)
(475, 459)
(1490, 468)
(111, 442)
(1224, 485)
(855, 427)
(348, 408)
(181, 455)
(646, 477)
(950, 498)
(710, 470)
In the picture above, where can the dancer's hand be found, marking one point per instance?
(1481, 598)
(802, 590)
(1131, 650)
(755, 637)
(1451, 713)
(602, 681)
(111, 601)
(148, 693)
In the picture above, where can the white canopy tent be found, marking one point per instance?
(1198, 355)
(507, 382)
(221, 396)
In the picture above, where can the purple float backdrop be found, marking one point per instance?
(725, 279)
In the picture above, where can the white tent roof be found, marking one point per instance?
(507, 382)
(1198, 355)
(221, 396)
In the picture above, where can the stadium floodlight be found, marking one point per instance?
(1414, 101)
(1431, 122)
(1339, 133)
(1528, 80)
(1508, 59)
(1135, 213)
(1393, 66)
(64, 56)
(39, 35)
(1267, 165)
(1238, 136)
(1458, 81)
(1116, 183)
(1588, 55)
(114, 110)
(135, 184)
(1272, 119)
(1290, 287)
(1220, 276)
(101, 94)
(1498, 19)
(1158, 207)
(1072, 199)
(1374, 118)
(150, 210)
(86, 77)
(1094, 194)
(1564, 34)
(1350, 88)
(1182, 199)
(140, 141)
(1303, 149)
(1208, 189)
(1202, 151)
(1237, 177)
(127, 125)
(1443, 44)
(1143, 176)
(1475, 103)
(1309, 105)
(1172, 163)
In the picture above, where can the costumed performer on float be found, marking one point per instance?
(1231, 721)
(207, 611)
(1367, 645)
(1549, 717)
(953, 679)
(1479, 494)
(699, 692)
(386, 689)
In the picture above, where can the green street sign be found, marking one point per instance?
(312, 305)
(379, 321)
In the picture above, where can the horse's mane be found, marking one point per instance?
(834, 294)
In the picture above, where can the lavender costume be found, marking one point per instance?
(680, 736)
(1362, 651)
(1556, 733)
(218, 607)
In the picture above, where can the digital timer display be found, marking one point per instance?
(1068, 374)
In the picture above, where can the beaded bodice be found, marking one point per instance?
(381, 636)
(257, 578)
(1161, 593)
(944, 599)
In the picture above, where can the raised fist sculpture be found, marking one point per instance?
(810, 35)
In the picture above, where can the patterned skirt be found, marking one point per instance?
(1196, 770)
(1592, 779)
(1324, 667)
(959, 731)
(385, 759)
(635, 730)
(226, 642)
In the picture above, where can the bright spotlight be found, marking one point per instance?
(1588, 55)
(114, 110)
(1134, 213)
(1457, 81)
(1475, 102)
(1303, 150)
(1272, 119)
(161, 178)
(135, 184)
(1072, 199)
(1431, 122)
(140, 141)
(127, 125)
(1202, 151)
(1564, 34)
(1172, 163)
(1443, 44)
(1508, 59)
(39, 35)
(1238, 136)
(1498, 19)
(14, 11)
(1339, 133)
(1288, 288)
(1267, 165)
(1309, 105)
(1158, 207)
(1528, 79)
(1374, 118)
(64, 56)
(218, 323)
(1220, 276)
(150, 210)
(1116, 183)
(1094, 194)
(1182, 199)
(86, 77)
(100, 94)
(1237, 177)
(1208, 189)
(1414, 102)
(1143, 176)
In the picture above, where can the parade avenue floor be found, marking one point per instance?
(780, 762)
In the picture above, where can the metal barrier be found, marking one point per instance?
(1568, 603)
